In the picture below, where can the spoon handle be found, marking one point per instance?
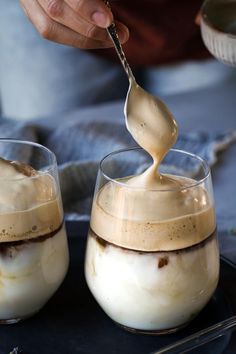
(115, 39)
(200, 338)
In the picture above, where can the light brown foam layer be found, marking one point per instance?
(31, 223)
(29, 202)
(153, 220)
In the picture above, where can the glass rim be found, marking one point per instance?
(51, 166)
(205, 165)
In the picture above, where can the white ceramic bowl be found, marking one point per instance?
(218, 29)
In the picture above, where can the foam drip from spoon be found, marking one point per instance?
(154, 128)
(135, 213)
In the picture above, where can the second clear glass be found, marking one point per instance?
(34, 254)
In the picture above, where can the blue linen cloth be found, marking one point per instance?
(79, 146)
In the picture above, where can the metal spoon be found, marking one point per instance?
(115, 39)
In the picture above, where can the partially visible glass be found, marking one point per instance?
(141, 288)
(34, 253)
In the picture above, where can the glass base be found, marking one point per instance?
(152, 332)
(10, 321)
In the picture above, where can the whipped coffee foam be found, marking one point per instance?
(29, 204)
(150, 122)
(154, 128)
(151, 220)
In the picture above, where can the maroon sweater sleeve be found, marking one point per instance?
(161, 31)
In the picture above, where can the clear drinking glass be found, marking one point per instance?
(170, 268)
(33, 243)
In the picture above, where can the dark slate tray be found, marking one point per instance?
(72, 322)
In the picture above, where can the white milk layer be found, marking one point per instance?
(30, 273)
(152, 291)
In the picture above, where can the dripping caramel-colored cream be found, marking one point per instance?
(152, 211)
